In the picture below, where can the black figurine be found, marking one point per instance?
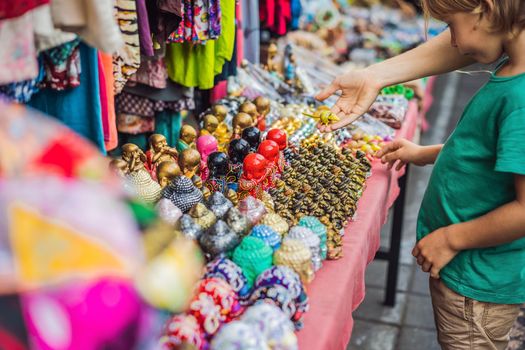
(219, 165)
(253, 136)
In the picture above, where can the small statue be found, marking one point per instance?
(237, 151)
(240, 122)
(120, 167)
(296, 255)
(270, 150)
(218, 240)
(311, 240)
(223, 133)
(219, 204)
(249, 108)
(253, 209)
(276, 222)
(159, 152)
(189, 228)
(218, 165)
(189, 162)
(238, 222)
(168, 212)
(209, 125)
(183, 193)
(271, 66)
(206, 193)
(206, 145)
(134, 156)
(263, 109)
(253, 136)
(323, 115)
(255, 176)
(253, 256)
(188, 134)
(267, 235)
(289, 66)
(202, 216)
(167, 172)
(147, 189)
(229, 271)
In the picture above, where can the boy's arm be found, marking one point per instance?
(502, 225)
(404, 152)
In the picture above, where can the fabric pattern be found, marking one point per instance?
(17, 52)
(517, 333)
(201, 21)
(152, 72)
(62, 66)
(126, 61)
(16, 8)
(135, 124)
(23, 91)
(132, 104)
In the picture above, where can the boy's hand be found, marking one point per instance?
(434, 251)
(400, 150)
(359, 90)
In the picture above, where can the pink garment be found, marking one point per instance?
(219, 91)
(328, 324)
(239, 38)
(275, 15)
(107, 97)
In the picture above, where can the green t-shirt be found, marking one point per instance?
(473, 175)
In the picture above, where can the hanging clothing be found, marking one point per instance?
(167, 16)
(152, 72)
(13, 8)
(197, 65)
(201, 21)
(17, 50)
(109, 119)
(275, 15)
(127, 60)
(62, 66)
(251, 30)
(296, 9)
(135, 124)
(92, 20)
(146, 44)
(143, 106)
(169, 123)
(22, 91)
(78, 108)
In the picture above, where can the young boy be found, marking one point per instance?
(472, 220)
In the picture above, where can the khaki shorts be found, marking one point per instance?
(463, 323)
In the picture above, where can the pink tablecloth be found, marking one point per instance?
(339, 287)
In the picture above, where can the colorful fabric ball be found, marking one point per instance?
(238, 335)
(253, 256)
(267, 235)
(319, 229)
(230, 272)
(274, 324)
(183, 330)
(283, 287)
(223, 295)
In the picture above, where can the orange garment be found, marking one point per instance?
(109, 119)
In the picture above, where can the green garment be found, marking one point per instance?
(196, 65)
(473, 175)
(169, 123)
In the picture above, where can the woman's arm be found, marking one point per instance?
(360, 88)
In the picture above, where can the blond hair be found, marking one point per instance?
(506, 16)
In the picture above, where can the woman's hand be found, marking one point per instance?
(359, 90)
(401, 151)
(434, 251)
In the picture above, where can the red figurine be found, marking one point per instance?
(255, 176)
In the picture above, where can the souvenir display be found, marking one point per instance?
(146, 188)
(237, 151)
(253, 256)
(253, 136)
(240, 122)
(159, 152)
(189, 162)
(202, 216)
(238, 335)
(218, 167)
(230, 272)
(273, 324)
(256, 176)
(311, 240)
(223, 295)
(206, 145)
(319, 229)
(167, 171)
(323, 115)
(183, 193)
(296, 255)
(168, 211)
(276, 223)
(219, 204)
(238, 222)
(209, 125)
(282, 286)
(263, 105)
(267, 235)
(249, 108)
(183, 331)
(270, 150)
(188, 134)
(253, 209)
(218, 240)
(189, 228)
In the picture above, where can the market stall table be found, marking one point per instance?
(339, 287)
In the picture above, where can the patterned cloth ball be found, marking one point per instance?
(183, 330)
(269, 236)
(274, 324)
(238, 335)
(230, 272)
